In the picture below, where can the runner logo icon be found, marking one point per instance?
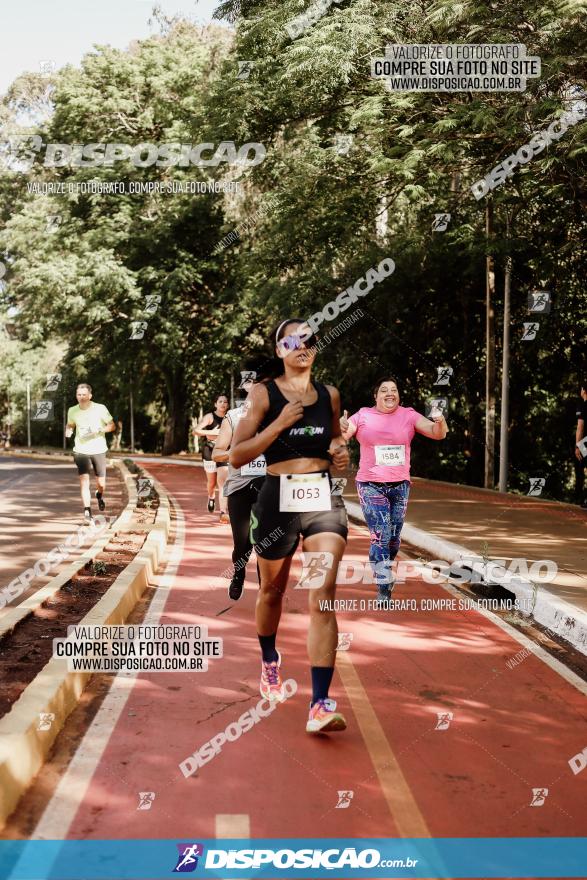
(144, 487)
(53, 380)
(537, 484)
(530, 331)
(43, 411)
(344, 641)
(315, 567)
(338, 485)
(444, 375)
(436, 403)
(440, 222)
(146, 799)
(444, 719)
(45, 720)
(539, 301)
(247, 376)
(344, 800)
(187, 860)
(138, 329)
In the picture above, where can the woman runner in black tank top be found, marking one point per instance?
(208, 428)
(294, 422)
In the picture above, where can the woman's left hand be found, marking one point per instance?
(340, 456)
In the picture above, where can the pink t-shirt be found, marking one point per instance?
(385, 440)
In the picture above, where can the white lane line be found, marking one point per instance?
(233, 825)
(236, 825)
(68, 796)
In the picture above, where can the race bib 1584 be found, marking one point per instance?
(390, 455)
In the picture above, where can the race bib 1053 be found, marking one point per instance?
(304, 493)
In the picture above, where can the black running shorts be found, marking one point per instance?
(83, 462)
(207, 455)
(276, 535)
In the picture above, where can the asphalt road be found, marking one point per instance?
(40, 506)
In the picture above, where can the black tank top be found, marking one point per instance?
(217, 421)
(209, 444)
(309, 437)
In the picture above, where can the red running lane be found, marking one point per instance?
(512, 729)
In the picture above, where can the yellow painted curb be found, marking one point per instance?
(23, 746)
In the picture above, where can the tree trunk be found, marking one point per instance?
(473, 448)
(490, 374)
(177, 421)
(505, 371)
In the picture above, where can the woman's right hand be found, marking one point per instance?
(290, 414)
(344, 421)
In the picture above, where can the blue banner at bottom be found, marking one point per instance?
(305, 859)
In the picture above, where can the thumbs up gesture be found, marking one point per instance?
(344, 421)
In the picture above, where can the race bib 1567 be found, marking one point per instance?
(255, 468)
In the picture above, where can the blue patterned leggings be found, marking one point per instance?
(384, 508)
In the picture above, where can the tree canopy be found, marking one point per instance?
(353, 173)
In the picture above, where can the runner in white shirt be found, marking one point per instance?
(91, 422)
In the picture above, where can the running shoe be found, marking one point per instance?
(88, 515)
(271, 686)
(100, 500)
(323, 717)
(211, 505)
(235, 588)
(383, 595)
(224, 519)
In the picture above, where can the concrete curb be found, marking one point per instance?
(13, 616)
(23, 747)
(147, 459)
(562, 618)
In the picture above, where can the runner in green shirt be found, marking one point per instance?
(91, 422)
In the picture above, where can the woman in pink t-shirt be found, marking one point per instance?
(385, 433)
